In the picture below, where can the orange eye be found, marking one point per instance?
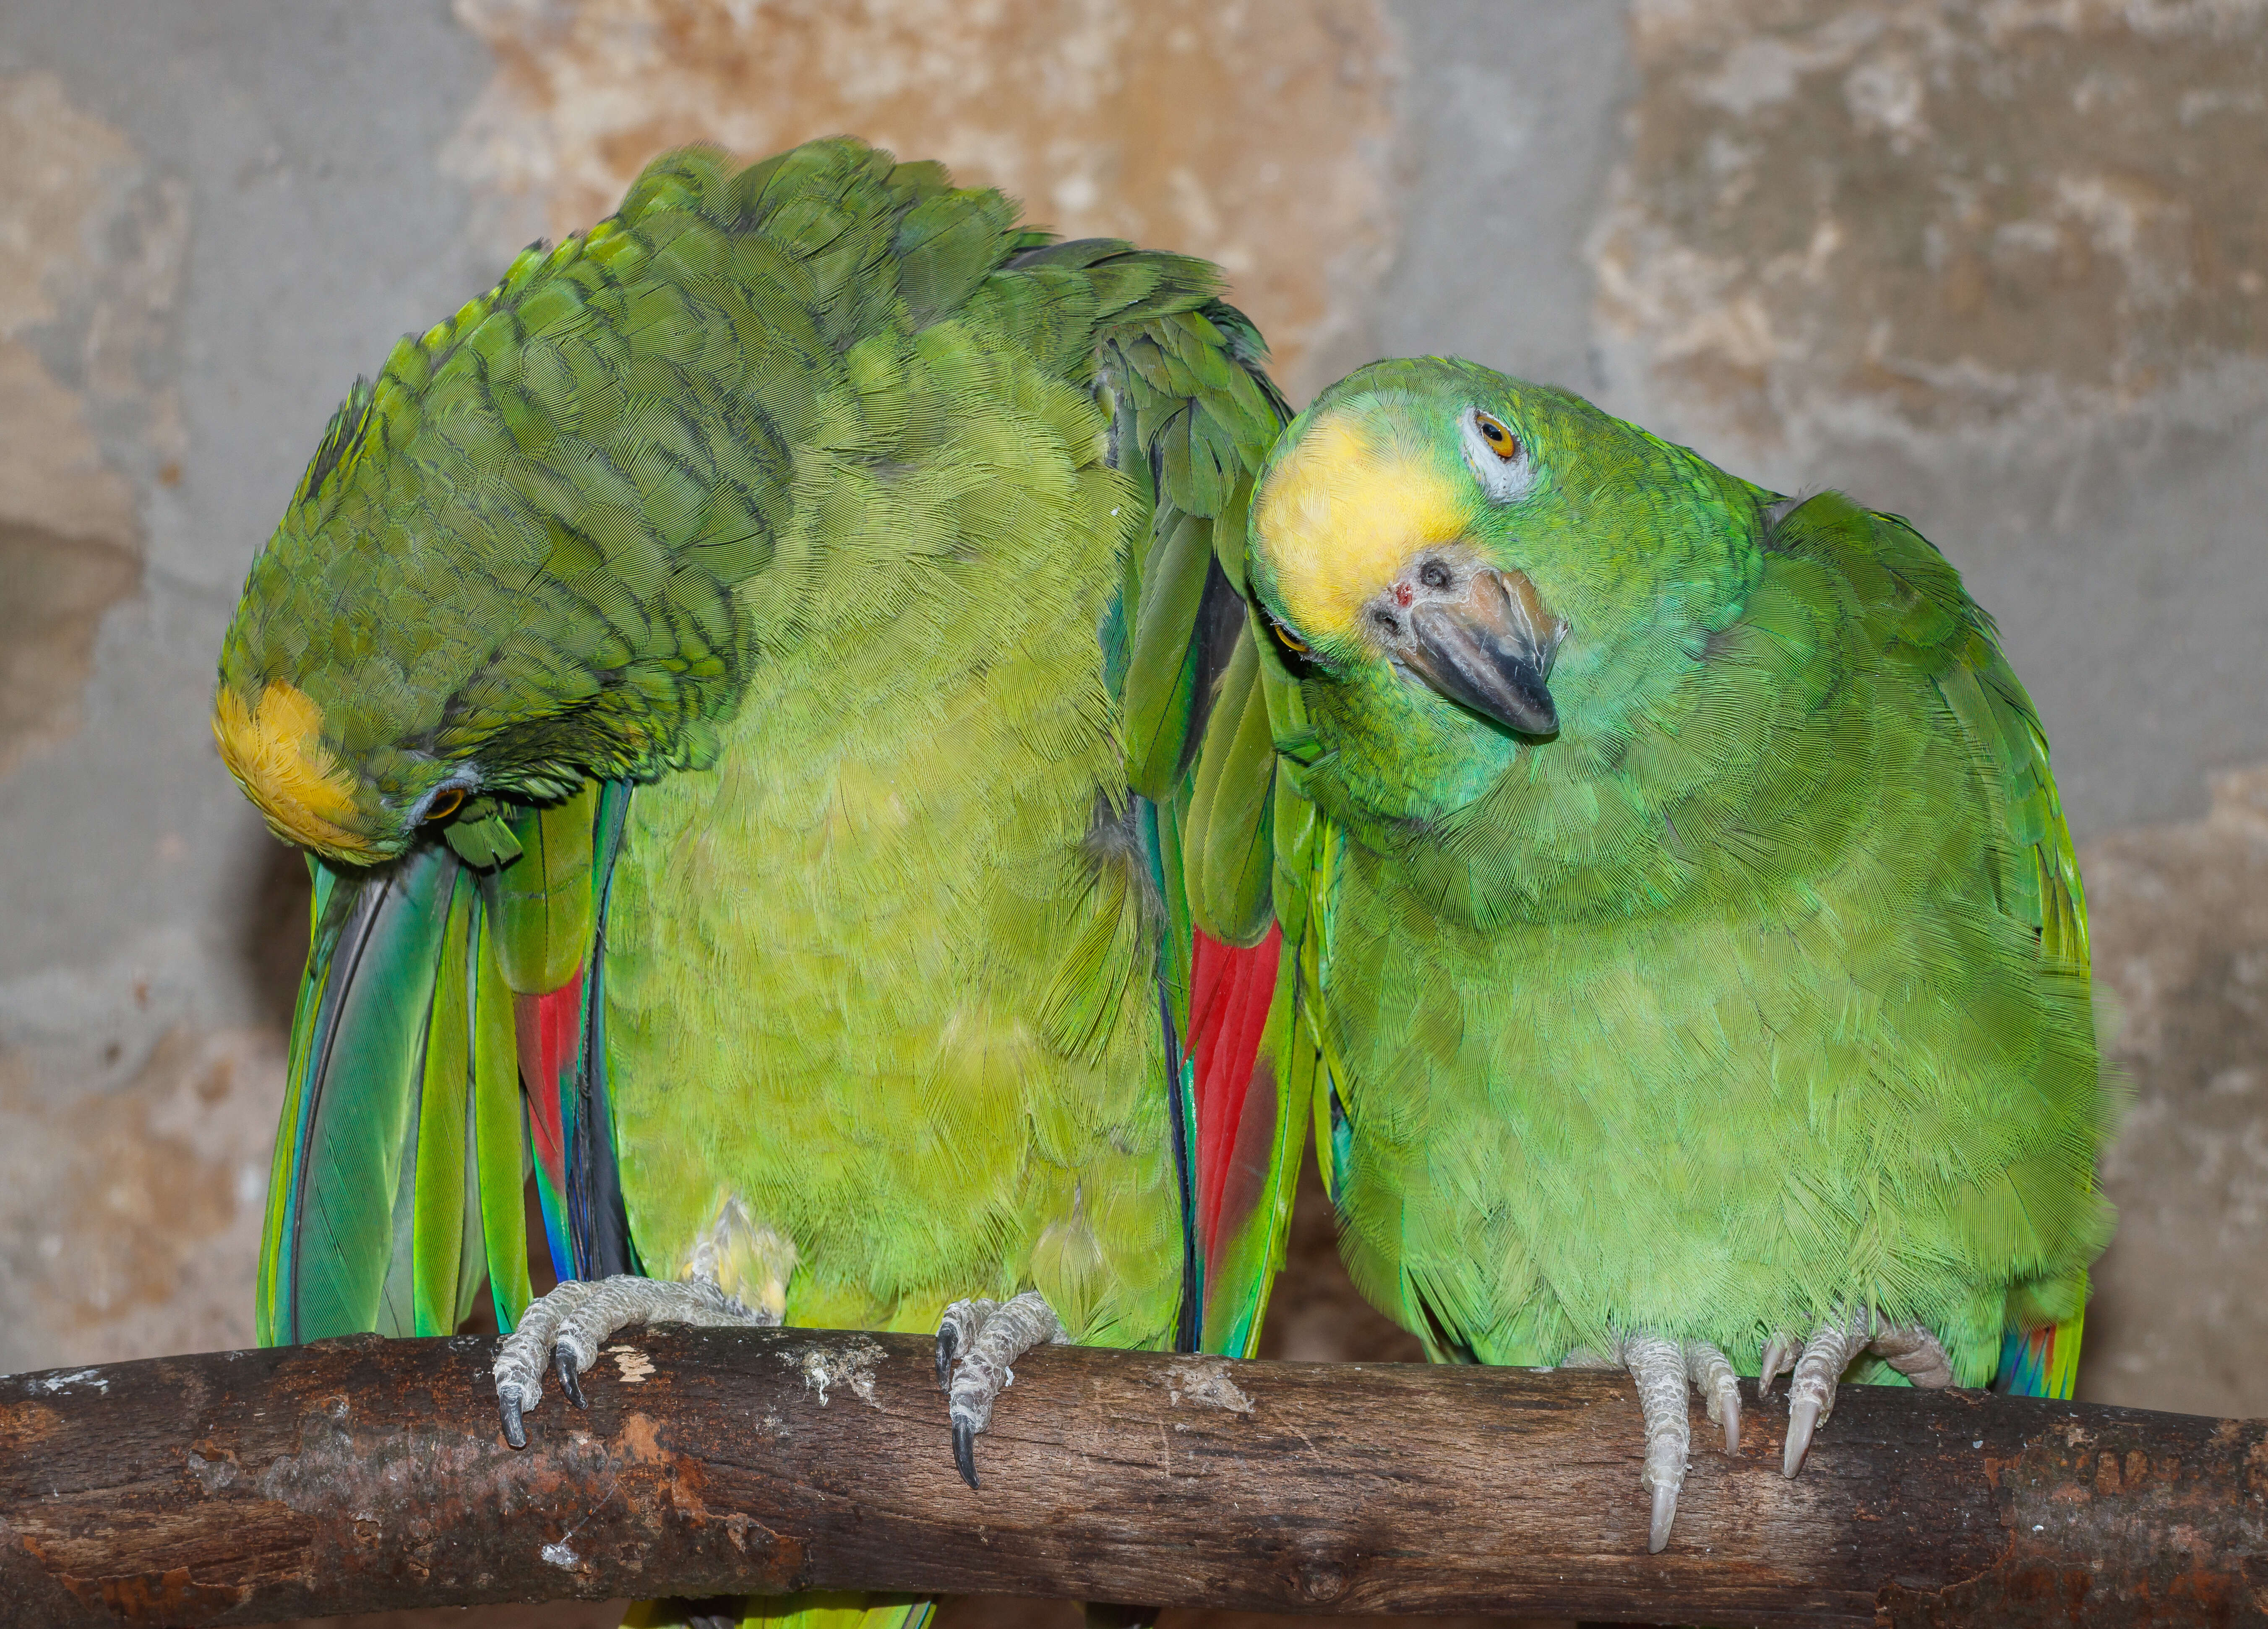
(447, 805)
(1501, 441)
(1290, 640)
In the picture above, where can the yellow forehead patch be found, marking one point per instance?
(1343, 513)
(276, 752)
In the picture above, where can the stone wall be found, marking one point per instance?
(1998, 265)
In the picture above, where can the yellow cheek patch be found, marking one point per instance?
(1342, 514)
(277, 754)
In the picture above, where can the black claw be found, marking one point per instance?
(514, 1433)
(964, 1450)
(562, 1363)
(948, 1342)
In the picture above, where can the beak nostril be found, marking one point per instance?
(1490, 650)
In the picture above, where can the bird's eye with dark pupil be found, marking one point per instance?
(1501, 441)
(1433, 573)
(447, 805)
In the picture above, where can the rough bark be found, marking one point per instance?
(356, 1475)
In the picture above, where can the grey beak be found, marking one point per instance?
(1491, 651)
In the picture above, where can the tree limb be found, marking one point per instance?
(356, 1475)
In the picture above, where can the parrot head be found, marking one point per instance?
(475, 591)
(347, 663)
(1461, 561)
(408, 643)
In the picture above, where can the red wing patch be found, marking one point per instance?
(1230, 992)
(548, 1029)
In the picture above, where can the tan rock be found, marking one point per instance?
(53, 592)
(2179, 914)
(130, 1219)
(91, 253)
(1949, 214)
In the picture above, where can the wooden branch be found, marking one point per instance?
(356, 1475)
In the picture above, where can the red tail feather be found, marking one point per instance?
(549, 1030)
(1230, 991)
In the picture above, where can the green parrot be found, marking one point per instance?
(766, 691)
(1691, 956)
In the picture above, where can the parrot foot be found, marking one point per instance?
(564, 1331)
(986, 1337)
(1663, 1369)
(1818, 1364)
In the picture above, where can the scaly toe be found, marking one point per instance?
(1914, 1351)
(1811, 1391)
(1712, 1376)
(987, 1337)
(1658, 1366)
(957, 1329)
(520, 1357)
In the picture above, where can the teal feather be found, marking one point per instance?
(344, 1206)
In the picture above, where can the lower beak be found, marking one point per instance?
(1491, 651)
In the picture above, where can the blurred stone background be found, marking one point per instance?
(2001, 266)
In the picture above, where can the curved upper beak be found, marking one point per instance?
(1492, 650)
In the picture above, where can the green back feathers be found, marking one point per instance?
(1913, 600)
(1915, 603)
(563, 487)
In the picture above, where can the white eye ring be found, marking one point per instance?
(1501, 478)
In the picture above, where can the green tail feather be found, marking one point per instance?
(342, 1206)
(499, 1134)
(1231, 851)
(404, 1152)
(446, 1249)
(1189, 403)
(542, 905)
(1162, 675)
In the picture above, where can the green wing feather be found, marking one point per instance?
(1907, 585)
(1908, 588)
(1194, 416)
(500, 1141)
(542, 905)
(347, 1199)
(446, 1251)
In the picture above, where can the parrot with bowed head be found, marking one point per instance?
(765, 692)
(1691, 956)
